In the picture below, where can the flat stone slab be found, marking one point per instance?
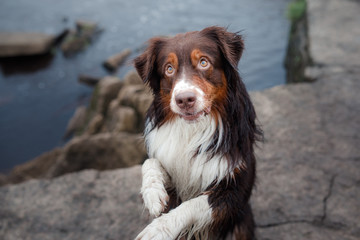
(85, 205)
(23, 44)
(308, 183)
(334, 32)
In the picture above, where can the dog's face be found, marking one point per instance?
(187, 72)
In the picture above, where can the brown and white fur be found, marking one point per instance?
(200, 133)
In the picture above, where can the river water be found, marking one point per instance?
(39, 95)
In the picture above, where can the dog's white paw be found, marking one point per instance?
(153, 189)
(156, 230)
(155, 199)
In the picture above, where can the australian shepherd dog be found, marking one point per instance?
(200, 134)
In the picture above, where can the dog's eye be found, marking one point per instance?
(170, 70)
(204, 63)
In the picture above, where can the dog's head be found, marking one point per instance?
(191, 74)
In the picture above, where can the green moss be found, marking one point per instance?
(296, 10)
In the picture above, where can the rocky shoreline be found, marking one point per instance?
(308, 183)
(107, 135)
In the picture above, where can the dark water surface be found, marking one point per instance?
(38, 96)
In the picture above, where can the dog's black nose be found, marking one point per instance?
(185, 100)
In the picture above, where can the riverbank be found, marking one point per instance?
(308, 183)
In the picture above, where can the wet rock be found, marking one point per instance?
(86, 27)
(77, 121)
(77, 40)
(24, 44)
(88, 80)
(113, 62)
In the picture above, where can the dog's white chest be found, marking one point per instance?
(181, 148)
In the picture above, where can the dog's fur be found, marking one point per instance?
(200, 133)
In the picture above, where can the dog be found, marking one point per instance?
(200, 135)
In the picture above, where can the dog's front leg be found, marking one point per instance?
(195, 212)
(153, 190)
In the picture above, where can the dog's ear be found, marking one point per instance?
(240, 111)
(230, 44)
(146, 64)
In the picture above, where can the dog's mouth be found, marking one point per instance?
(193, 116)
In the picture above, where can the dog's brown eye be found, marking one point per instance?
(169, 70)
(203, 63)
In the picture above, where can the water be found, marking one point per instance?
(38, 96)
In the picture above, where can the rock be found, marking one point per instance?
(88, 80)
(300, 231)
(108, 90)
(101, 151)
(121, 118)
(101, 117)
(85, 26)
(23, 44)
(297, 53)
(85, 205)
(308, 177)
(73, 43)
(118, 116)
(133, 78)
(312, 73)
(308, 181)
(3, 179)
(77, 121)
(138, 97)
(95, 124)
(113, 62)
(80, 38)
(327, 46)
(36, 168)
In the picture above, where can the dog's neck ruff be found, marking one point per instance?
(182, 148)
